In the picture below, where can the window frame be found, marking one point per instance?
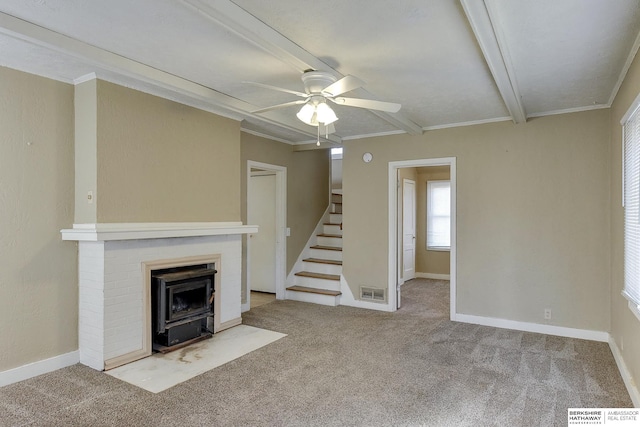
(631, 118)
(428, 200)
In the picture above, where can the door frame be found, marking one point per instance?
(281, 227)
(393, 226)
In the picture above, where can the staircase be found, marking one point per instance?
(319, 281)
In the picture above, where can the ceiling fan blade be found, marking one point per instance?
(370, 104)
(345, 84)
(280, 89)
(275, 107)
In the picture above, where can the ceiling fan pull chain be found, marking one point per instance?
(318, 143)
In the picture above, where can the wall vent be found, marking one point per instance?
(373, 294)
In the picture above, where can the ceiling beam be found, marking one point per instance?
(484, 22)
(250, 28)
(133, 71)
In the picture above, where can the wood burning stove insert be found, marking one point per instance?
(182, 305)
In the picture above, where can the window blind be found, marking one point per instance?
(438, 214)
(631, 131)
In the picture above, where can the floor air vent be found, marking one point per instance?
(372, 294)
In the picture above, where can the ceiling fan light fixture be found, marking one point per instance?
(314, 114)
(325, 114)
(306, 114)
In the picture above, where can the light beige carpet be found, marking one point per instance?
(343, 366)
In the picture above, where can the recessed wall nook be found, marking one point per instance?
(116, 263)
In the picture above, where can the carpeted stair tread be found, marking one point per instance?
(323, 261)
(314, 290)
(327, 248)
(318, 275)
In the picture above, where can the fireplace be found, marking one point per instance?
(182, 305)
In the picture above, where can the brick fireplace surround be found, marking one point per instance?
(114, 261)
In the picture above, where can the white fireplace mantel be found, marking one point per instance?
(154, 230)
(114, 322)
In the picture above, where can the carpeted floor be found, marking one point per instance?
(342, 366)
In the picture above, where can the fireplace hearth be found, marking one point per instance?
(182, 306)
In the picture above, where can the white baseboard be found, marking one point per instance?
(38, 368)
(632, 388)
(560, 331)
(433, 276)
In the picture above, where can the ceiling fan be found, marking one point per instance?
(320, 87)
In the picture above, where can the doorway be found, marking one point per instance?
(396, 227)
(261, 196)
(266, 250)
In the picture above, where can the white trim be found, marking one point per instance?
(487, 31)
(434, 276)
(584, 334)
(629, 382)
(281, 225)
(630, 111)
(393, 219)
(625, 69)
(38, 368)
(569, 110)
(373, 135)
(153, 230)
(85, 78)
(264, 135)
(469, 123)
(635, 309)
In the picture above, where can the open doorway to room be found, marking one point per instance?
(266, 250)
(422, 212)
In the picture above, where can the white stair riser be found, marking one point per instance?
(312, 282)
(335, 218)
(331, 229)
(335, 242)
(313, 298)
(317, 267)
(326, 254)
(336, 207)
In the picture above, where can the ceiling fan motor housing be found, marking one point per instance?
(315, 81)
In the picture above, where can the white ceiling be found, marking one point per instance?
(448, 62)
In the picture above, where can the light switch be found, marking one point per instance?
(288, 232)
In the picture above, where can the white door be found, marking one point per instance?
(408, 229)
(261, 211)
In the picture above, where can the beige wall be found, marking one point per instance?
(86, 145)
(625, 327)
(307, 186)
(430, 262)
(532, 224)
(38, 283)
(160, 161)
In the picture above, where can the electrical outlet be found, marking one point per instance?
(90, 197)
(547, 314)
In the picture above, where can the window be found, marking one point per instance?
(438, 215)
(631, 203)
